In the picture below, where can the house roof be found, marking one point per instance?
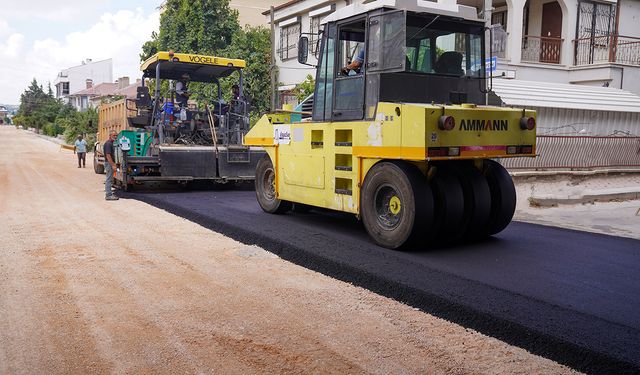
(521, 93)
(129, 91)
(100, 89)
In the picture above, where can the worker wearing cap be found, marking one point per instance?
(182, 93)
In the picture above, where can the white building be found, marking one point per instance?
(585, 42)
(74, 79)
(93, 95)
(4, 112)
(291, 19)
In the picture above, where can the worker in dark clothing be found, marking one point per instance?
(110, 166)
(235, 92)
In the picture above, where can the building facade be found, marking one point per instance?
(74, 79)
(584, 42)
(93, 95)
(291, 20)
(4, 113)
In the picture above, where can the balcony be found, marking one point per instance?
(541, 49)
(607, 49)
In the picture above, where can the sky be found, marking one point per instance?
(39, 38)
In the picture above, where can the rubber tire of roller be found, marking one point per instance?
(477, 200)
(266, 199)
(448, 203)
(416, 201)
(503, 197)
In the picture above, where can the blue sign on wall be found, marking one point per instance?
(492, 64)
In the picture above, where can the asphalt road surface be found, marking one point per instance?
(570, 296)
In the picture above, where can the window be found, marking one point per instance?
(323, 94)
(314, 29)
(387, 33)
(289, 36)
(499, 18)
(349, 85)
(351, 45)
(435, 46)
(65, 88)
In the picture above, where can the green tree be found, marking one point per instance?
(210, 27)
(197, 26)
(80, 123)
(305, 88)
(253, 45)
(150, 47)
(37, 108)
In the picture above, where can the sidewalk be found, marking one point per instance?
(602, 203)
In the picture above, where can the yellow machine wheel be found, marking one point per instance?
(266, 188)
(396, 204)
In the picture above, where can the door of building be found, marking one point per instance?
(551, 33)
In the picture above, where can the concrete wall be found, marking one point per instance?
(630, 79)
(250, 11)
(629, 18)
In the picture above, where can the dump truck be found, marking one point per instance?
(111, 117)
(402, 138)
(162, 139)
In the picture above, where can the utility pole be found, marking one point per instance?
(272, 68)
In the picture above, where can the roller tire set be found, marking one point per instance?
(401, 206)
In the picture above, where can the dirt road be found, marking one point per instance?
(90, 286)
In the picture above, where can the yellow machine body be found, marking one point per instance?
(324, 164)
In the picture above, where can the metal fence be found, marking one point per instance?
(566, 152)
(607, 48)
(541, 49)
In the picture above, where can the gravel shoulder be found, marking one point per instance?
(90, 286)
(617, 218)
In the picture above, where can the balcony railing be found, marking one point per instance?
(607, 48)
(541, 49)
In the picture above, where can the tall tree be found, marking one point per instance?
(31, 99)
(197, 26)
(253, 45)
(150, 47)
(210, 27)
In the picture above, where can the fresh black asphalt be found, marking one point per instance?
(570, 296)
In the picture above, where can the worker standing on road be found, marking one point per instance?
(109, 166)
(81, 150)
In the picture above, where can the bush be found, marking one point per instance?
(52, 129)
